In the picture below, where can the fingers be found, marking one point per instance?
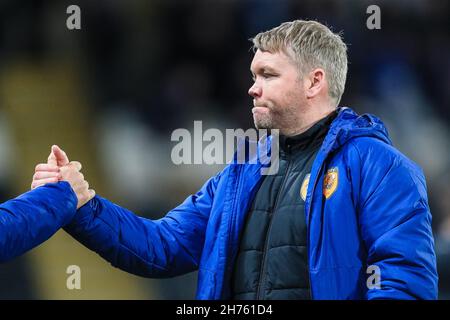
(60, 156)
(46, 174)
(41, 182)
(75, 165)
(46, 167)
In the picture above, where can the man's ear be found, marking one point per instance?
(315, 83)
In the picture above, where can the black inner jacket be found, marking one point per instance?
(272, 260)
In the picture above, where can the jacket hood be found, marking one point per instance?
(349, 125)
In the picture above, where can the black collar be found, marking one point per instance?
(310, 137)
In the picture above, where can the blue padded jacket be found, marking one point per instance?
(33, 217)
(366, 207)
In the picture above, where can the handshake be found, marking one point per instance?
(58, 168)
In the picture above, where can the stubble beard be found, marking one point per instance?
(264, 122)
(280, 118)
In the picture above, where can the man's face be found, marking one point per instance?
(277, 90)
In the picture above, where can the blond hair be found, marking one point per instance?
(310, 45)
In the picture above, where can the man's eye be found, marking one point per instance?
(264, 75)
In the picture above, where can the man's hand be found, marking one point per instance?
(59, 168)
(71, 173)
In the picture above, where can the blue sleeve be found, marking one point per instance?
(160, 248)
(33, 217)
(395, 223)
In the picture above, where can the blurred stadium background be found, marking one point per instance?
(111, 94)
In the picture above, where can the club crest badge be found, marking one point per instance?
(330, 182)
(304, 187)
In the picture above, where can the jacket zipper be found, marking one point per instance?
(308, 223)
(266, 243)
(230, 227)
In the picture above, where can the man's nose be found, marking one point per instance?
(255, 91)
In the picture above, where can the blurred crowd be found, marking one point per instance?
(112, 93)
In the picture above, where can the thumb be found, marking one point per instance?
(52, 159)
(60, 156)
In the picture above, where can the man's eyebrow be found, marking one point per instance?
(263, 68)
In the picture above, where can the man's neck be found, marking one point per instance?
(307, 123)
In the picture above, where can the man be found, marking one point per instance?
(345, 217)
(35, 216)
